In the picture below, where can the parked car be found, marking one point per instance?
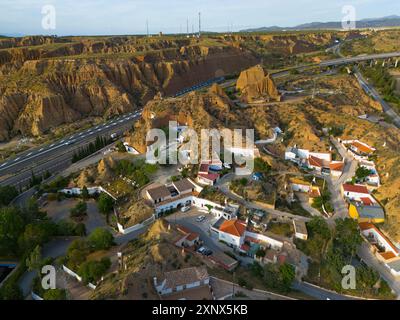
(201, 250)
(185, 209)
(201, 218)
(207, 252)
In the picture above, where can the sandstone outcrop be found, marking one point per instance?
(254, 85)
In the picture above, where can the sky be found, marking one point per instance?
(106, 17)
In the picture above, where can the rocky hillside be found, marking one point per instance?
(46, 82)
(293, 43)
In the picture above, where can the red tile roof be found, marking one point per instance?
(203, 168)
(234, 227)
(367, 201)
(338, 166)
(358, 188)
(209, 176)
(314, 161)
(362, 147)
(387, 255)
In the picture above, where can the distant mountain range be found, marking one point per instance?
(389, 21)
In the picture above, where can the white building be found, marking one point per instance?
(300, 229)
(356, 192)
(177, 194)
(183, 279)
(232, 232)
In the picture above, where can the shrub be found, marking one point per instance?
(101, 239)
(79, 211)
(92, 271)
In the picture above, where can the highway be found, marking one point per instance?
(372, 91)
(337, 62)
(57, 156)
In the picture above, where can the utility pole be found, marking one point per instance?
(199, 24)
(147, 28)
(187, 26)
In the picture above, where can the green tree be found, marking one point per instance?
(318, 225)
(7, 194)
(35, 234)
(362, 173)
(79, 211)
(287, 276)
(101, 239)
(92, 271)
(85, 193)
(261, 166)
(55, 294)
(11, 291)
(347, 237)
(11, 227)
(120, 146)
(77, 253)
(34, 260)
(105, 203)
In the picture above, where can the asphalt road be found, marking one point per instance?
(372, 91)
(338, 62)
(57, 156)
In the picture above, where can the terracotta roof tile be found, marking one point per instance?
(358, 188)
(362, 147)
(234, 227)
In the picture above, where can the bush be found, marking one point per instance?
(92, 271)
(100, 239)
(55, 294)
(79, 211)
(120, 146)
(7, 194)
(105, 203)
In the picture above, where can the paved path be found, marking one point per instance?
(224, 188)
(320, 293)
(304, 201)
(223, 288)
(334, 185)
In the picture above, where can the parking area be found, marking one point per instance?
(210, 240)
(60, 210)
(190, 220)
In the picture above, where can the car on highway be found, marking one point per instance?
(200, 218)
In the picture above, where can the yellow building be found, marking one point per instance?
(363, 213)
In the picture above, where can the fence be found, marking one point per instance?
(36, 297)
(136, 226)
(77, 277)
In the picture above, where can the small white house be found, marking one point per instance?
(232, 232)
(300, 229)
(183, 279)
(355, 192)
